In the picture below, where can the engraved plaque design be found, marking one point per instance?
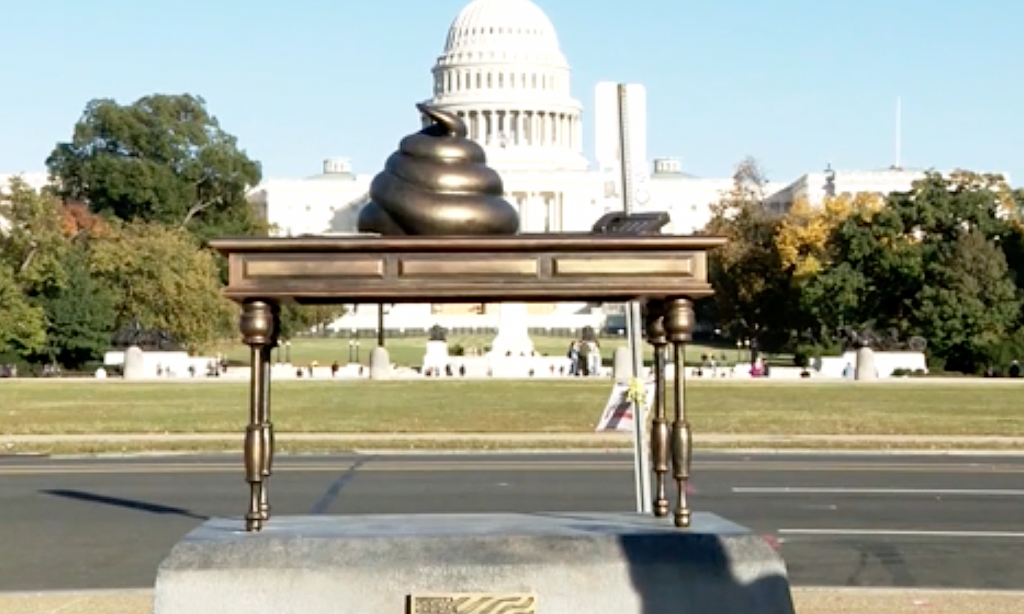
(473, 603)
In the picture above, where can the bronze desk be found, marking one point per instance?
(664, 272)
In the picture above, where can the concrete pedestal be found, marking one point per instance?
(865, 370)
(513, 338)
(134, 364)
(567, 563)
(622, 365)
(436, 358)
(380, 363)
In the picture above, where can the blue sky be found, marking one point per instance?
(795, 83)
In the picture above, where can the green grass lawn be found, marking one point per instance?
(408, 351)
(502, 406)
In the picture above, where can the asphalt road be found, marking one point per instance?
(842, 520)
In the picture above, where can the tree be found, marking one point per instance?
(79, 315)
(31, 245)
(34, 240)
(1011, 241)
(805, 231)
(79, 222)
(749, 180)
(22, 329)
(163, 159)
(45, 251)
(926, 264)
(165, 281)
(968, 302)
(751, 285)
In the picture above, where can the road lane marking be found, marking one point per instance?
(901, 533)
(800, 490)
(279, 468)
(479, 465)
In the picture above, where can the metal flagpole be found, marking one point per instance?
(641, 460)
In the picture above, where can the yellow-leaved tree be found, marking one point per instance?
(802, 238)
(166, 281)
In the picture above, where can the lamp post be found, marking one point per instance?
(380, 324)
(353, 347)
(382, 311)
(288, 352)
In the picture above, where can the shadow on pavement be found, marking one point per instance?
(703, 582)
(132, 504)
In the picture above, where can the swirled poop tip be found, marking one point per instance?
(438, 183)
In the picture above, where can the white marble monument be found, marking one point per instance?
(436, 360)
(513, 338)
(134, 363)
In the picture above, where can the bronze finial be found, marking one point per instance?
(438, 183)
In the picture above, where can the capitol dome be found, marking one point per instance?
(516, 30)
(503, 72)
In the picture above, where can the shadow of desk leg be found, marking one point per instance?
(259, 327)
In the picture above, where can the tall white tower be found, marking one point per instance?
(608, 138)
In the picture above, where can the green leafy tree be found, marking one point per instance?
(162, 158)
(22, 325)
(1012, 240)
(968, 303)
(875, 274)
(79, 315)
(752, 287)
(166, 281)
(31, 247)
(33, 240)
(928, 263)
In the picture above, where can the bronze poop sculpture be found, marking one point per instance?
(438, 183)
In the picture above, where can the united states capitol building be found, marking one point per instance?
(502, 70)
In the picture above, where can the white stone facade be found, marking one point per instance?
(36, 181)
(815, 187)
(321, 204)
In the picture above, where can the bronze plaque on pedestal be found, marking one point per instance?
(473, 603)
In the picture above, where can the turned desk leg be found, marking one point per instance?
(679, 323)
(259, 327)
(266, 428)
(659, 426)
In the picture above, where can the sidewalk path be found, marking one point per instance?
(867, 441)
(624, 438)
(807, 601)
